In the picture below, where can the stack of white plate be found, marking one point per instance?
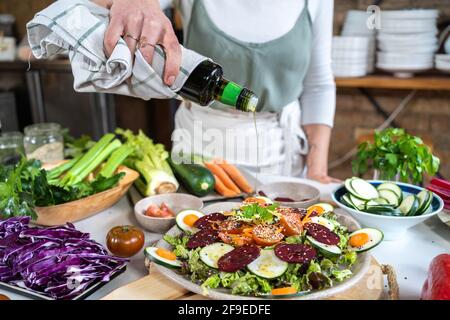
(443, 62)
(350, 56)
(407, 41)
(355, 25)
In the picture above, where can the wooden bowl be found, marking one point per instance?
(86, 207)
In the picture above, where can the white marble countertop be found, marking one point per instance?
(409, 256)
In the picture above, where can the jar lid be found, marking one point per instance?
(42, 129)
(7, 18)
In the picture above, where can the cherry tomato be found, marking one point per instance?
(266, 235)
(125, 241)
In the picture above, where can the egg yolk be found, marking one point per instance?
(359, 239)
(252, 200)
(166, 254)
(317, 209)
(190, 219)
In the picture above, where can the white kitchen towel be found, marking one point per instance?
(78, 27)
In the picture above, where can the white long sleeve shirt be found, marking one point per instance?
(260, 21)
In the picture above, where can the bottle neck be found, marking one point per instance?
(232, 94)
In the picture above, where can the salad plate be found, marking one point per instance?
(355, 274)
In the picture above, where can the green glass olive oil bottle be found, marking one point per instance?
(206, 84)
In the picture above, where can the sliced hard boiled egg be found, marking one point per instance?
(211, 254)
(258, 200)
(268, 265)
(324, 222)
(364, 239)
(185, 220)
(163, 257)
(321, 208)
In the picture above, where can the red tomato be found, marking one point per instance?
(437, 285)
(125, 241)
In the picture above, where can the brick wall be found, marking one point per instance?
(427, 115)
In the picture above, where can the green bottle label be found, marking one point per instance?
(230, 94)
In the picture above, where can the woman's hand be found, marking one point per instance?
(322, 177)
(143, 20)
(317, 159)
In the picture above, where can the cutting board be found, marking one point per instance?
(157, 287)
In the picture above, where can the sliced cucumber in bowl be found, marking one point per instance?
(345, 199)
(392, 187)
(410, 205)
(361, 189)
(357, 202)
(425, 199)
(390, 196)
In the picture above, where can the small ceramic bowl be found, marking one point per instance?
(303, 194)
(176, 202)
(393, 227)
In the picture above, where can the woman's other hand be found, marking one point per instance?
(143, 20)
(322, 177)
(317, 160)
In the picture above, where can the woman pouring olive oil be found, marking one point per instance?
(280, 50)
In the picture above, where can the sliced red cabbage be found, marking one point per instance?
(60, 262)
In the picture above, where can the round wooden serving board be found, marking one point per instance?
(155, 286)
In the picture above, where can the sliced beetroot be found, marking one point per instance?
(295, 253)
(203, 238)
(322, 234)
(238, 258)
(209, 220)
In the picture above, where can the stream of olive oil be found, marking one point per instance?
(257, 151)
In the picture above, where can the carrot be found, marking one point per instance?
(236, 176)
(218, 171)
(285, 290)
(222, 189)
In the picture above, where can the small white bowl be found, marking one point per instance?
(308, 194)
(393, 227)
(175, 201)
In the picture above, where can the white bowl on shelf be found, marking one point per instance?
(410, 14)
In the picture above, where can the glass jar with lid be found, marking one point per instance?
(44, 142)
(11, 147)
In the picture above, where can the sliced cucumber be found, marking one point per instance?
(213, 252)
(390, 196)
(425, 198)
(268, 265)
(375, 237)
(393, 187)
(346, 201)
(409, 205)
(381, 201)
(152, 254)
(371, 203)
(357, 202)
(381, 209)
(326, 249)
(348, 186)
(363, 189)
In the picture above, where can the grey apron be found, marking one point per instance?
(274, 70)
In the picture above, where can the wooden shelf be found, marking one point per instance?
(383, 81)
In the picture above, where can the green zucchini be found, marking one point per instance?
(197, 179)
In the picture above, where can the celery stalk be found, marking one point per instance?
(150, 160)
(105, 153)
(59, 170)
(115, 160)
(87, 159)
